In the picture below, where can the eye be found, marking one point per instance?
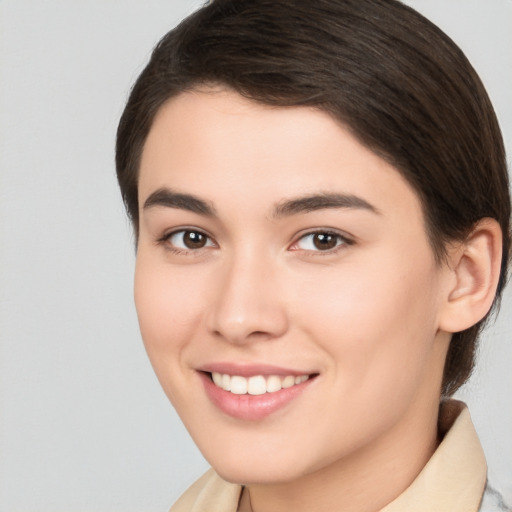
(320, 241)
(188, 239)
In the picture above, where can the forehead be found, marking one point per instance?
(232, 151)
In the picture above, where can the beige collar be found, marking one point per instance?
(452, 481)
(454, 478)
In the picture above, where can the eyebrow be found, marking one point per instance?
(321, 201)
(170, 199)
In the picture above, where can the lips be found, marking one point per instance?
(253, 393)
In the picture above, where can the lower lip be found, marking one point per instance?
(251, 407)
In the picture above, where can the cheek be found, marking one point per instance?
(168, 307)
(376, 322)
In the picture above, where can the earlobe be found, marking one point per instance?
(475, 269)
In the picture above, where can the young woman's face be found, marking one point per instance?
(285, 261)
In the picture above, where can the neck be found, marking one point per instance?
(364, 481)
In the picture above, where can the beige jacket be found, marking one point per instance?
(452, 481)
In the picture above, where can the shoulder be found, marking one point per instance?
(210, 493)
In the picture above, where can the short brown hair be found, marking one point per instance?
(397, 81)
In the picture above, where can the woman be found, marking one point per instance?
(320, 199)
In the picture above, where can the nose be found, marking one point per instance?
(248, 304)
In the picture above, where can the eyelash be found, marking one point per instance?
(341, 241)
(165, 240)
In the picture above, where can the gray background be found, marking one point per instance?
(84, 425)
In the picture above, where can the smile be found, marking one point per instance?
(259, 392)
(257, 384)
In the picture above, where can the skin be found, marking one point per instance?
(366, 317)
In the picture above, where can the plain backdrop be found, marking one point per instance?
(84, 425)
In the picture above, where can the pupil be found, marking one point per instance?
(194, 240)
(324, 241)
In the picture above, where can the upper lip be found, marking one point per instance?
(250, 370)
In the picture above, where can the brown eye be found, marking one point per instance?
(325, 241)
(194, 240)
(189, 240)
(321, 241)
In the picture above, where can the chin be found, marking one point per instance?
(260, 463)
(244, 473)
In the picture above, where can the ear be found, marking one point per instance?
(474, 270)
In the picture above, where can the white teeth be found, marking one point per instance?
(256, 385)
(238, 385)
(288, 381)
(226, 382)
(217, 378)
(273, 384)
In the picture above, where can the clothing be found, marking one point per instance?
(453, 480)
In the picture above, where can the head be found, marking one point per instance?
(400, 86)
